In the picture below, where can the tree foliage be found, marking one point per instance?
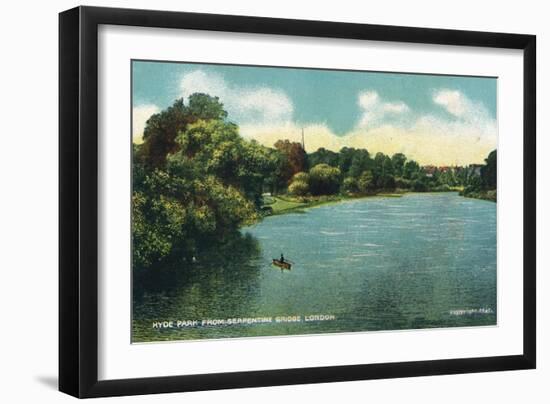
(489, 171)
(295, 155)
(323, 156)
(300, 184)
(196, 180)
(398, 161)
(298, 188)
(208, 182)
(162, 129)
(324, 179)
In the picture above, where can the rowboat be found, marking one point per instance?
(281, 264)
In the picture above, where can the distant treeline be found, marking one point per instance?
(196, 180)
(484, 185)
(355, 171)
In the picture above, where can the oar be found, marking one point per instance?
(286, 260)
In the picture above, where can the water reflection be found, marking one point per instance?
(222, 283)
(374, 264)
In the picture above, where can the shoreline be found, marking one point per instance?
(292, 205)
(295, 205)
(485, 195)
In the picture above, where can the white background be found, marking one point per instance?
(28, 210)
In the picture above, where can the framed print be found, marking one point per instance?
(250, 201)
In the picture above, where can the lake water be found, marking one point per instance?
(382, 263)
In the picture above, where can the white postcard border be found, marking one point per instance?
(119, 359)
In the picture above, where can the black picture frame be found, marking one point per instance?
(78, 200)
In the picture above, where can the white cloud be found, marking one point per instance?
(368, 99)
(395, 107)
(469, 115)
(140, 115)
(429, 140)
(460, 106)
(374, 110)
(316, 135)
(467, 138)
(266, 114)
(198, 81)
(263, 104)
(244, 104)
(453, 101)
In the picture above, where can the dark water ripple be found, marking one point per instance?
(375, 264)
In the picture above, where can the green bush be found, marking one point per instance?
(324, 180)
(298, 188)
(349, 185)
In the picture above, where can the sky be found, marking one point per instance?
(433, 119)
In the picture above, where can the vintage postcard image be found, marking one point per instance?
(273, 201)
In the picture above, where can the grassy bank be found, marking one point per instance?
(280, 204)
(488, 195)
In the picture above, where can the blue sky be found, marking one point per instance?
(385, 111)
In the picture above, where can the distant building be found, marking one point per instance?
(430, 170)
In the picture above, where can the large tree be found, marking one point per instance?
(345, 159)
(323, 156)
(383, 171)
(162, 129)
(324, 179)
(295, 155)
(208, 184)
(489, 171)
(411, 169)
(360, 162)
(398, 161)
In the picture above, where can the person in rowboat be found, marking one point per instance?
(282, 258)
